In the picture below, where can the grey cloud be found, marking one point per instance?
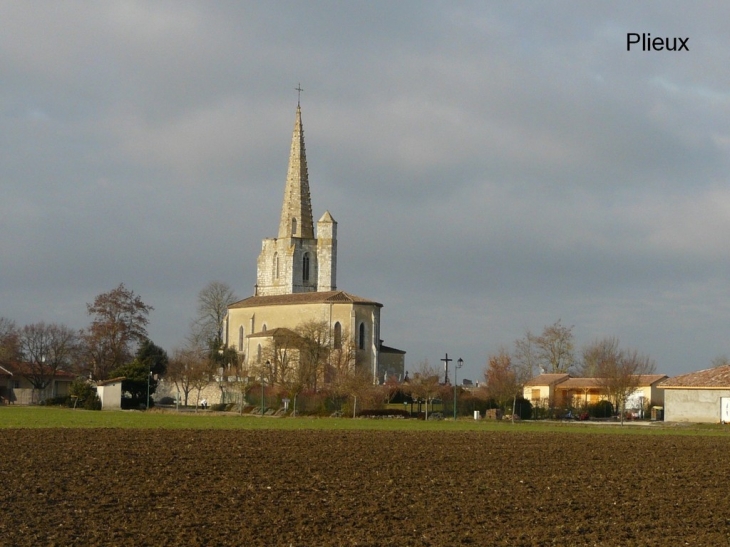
(504, 164)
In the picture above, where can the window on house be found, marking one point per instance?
(305, 267)
(258, 354)
(276, 265)
(361, 337)
(338, 336)
(263, 329)
(293, 226)
(240, 338)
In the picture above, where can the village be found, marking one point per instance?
(302, 346)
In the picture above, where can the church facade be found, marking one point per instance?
(296, 284)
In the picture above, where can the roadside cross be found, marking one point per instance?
(446, 361)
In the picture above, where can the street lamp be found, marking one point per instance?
(459, 364)
(149, 377)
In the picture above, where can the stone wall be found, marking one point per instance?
(693, 405)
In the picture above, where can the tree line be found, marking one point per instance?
(115, 344)
(304, 359)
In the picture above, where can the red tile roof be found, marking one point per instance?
(547, 379)
(565, 381)
(24, 369)
(325, 297)
(711, 378)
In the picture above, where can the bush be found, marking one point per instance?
(523, 408)
(601, 409)
(384, 412)
(166, 401)
(92, 403)
(56, 401)
(84, 395)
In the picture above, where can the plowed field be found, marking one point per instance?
(309, 488)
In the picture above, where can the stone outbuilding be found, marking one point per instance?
(702, 396)
(110, 393)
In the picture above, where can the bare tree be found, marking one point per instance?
(189, 370)
(46, 349)
(241, 374)
(118, 326)
(357, 382)
(596, 353)
(500, 378)
(525, 355)
(9, 350)
(620, 372)
(282, 354)
(314, 350)
(424, 385)
(342, 359)
(213, 302)
(552, 351)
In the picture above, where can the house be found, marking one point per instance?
(702, 396)
(541, 392)
(6, 386)
(16, 387)
(565, 391)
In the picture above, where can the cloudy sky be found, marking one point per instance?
(493, 166)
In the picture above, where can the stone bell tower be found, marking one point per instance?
(295, 261)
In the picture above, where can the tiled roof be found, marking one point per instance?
(111, 381)
(600, 383)
(581, 383)
(324, 297)
(547, 379)
(649, 379)
(25, 369)
(711, 378)
(388, 349)
(566, 382)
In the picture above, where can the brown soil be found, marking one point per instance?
(254, 488)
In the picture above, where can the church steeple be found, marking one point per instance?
(296, 211)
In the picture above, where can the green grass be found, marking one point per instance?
(45, 417)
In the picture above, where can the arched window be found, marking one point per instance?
(305, 267)
(293, 226)
(258, 354)
(240, 338)
(276, 265)
(263, 329)
(338, 336)
(361, 337)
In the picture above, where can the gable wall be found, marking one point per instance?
(349, 316)
(693, 405)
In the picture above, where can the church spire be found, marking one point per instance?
(296, 211)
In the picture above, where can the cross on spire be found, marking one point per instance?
(299, 90)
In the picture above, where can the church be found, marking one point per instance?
(296, 284)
